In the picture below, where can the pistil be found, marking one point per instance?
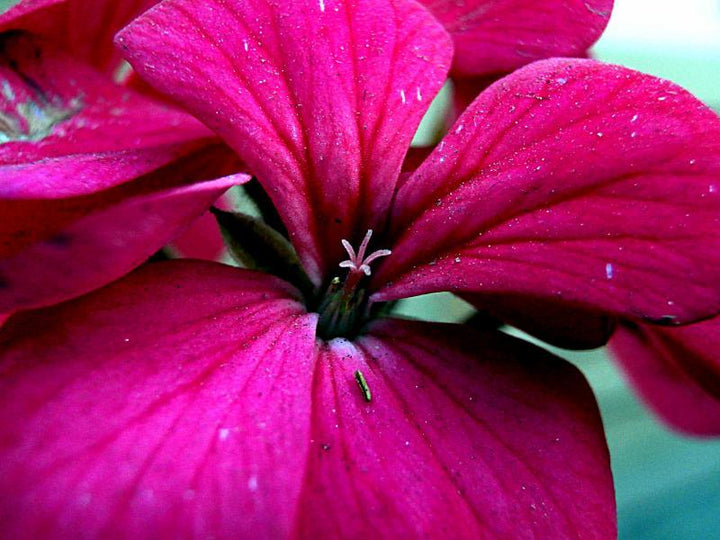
(344, 306)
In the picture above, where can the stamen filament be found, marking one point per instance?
(344, 305)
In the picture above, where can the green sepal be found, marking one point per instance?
(257, 246)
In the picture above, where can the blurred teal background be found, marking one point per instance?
(667, 485)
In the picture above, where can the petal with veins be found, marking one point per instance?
(574, 181)
(174, 403)
(467, 434)
(225, 417)
(321, 101)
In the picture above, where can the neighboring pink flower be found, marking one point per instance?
(676, 371)
(494, 37)
(497, 36)
(94, 177)
(195, 399)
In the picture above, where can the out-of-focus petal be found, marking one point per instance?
(571, 181)
(676, 371)
(25, 14)
(554, 322)
(202, 239)
(83, 163)
(467, 434)
(495, 36)
(63, 248)
(84, 28)
(174, 403)
(66, 130)
(319, 98)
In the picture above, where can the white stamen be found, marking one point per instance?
(357, 261)
(350, 251)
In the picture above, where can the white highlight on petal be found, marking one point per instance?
(322, 6)
(402, 96)
(609, 271)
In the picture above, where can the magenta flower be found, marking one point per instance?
(196, 399)
(492, 36)
(84, 161)
(676, 371)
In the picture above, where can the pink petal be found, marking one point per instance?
(173, 404)
(202, 239)
(85, 28)
(73, 145)
(676, 371)
(320, 97)
(555, 322)
(177, 402)
(466, 435)
(23, 14)
(63, 248)
(494, 36)
(574, 181)
(69, 130)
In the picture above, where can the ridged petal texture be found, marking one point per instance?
(570, 181)
(191, 399)
(676, 371)
(319, 97)
(496, 36)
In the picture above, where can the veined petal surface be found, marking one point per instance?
(172, 404)
(319, 97)
(574, 181)
(468, 435)
(192, 399)
(676, 371)
(495, 36)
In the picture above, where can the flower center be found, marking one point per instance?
(33, 118)
(344, 307)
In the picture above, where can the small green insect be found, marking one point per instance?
(362, 383)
